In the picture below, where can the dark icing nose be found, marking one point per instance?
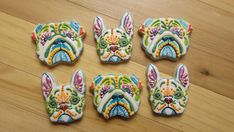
(117, 96)
(113, 48)
(168, 100)
(166, 38)
(63, 107)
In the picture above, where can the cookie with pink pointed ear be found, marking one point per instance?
(127, 23)
(182, 75)
(48, 84)
(98, 27)
(78, 81)
(152, 76)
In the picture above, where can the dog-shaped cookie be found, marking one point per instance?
(64, 103)
(166, 38)
(116, 95)
(114, 45)
(168, 96)
(58, 42)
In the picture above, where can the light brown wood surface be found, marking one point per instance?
(209, 60)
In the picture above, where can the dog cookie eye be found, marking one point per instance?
(114, 48)
(168, 96)
(75, 100)
(58, 42)
(64, 103)
(165, 38)
(114, 95)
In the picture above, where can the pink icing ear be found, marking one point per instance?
(47, 84)
(152, 76)
(127, 23)
(98, 27)
(78, 81)
(182, 75)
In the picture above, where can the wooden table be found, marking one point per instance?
(209, 60)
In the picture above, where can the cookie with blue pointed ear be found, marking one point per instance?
(168, 96)
(114, 45)
(165, 38)
(116, 95)
(58, 42)
(64, 103)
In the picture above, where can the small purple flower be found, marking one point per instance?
(104, 90)
(127, 88)
(69, 34)
(177, 31)
(154, 32)
(44, 37)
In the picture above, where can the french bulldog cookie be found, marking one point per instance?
(165, 38)
(116, 95)
(58, 42)
(64, 103)
(114, 45)
(168, 96)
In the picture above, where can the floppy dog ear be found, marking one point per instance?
(98, 27)
(152, 76)
(127, 23)
(78, 81)
(37, 29)
(188, 27)
(136, 81)
(146, 23)
(48, 84)
(76, 26)
(182, 75)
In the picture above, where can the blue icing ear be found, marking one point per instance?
(38, 28)
(148, 21)
(75, 25)
(134, 79)
(98, 79)
(183, 23)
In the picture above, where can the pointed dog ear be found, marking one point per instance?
(98, 27)
(127, 23)
(182, 75)
(48, 84)
(152, 76)
(78, 81)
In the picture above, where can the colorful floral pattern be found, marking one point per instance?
(165, 38)
(114, 45)
(168, 96)
(116, 95)
(64, 103)
(58, 42)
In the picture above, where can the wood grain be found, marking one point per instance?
(210, 63)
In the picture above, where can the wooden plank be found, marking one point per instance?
(20, 92)
(211, 42)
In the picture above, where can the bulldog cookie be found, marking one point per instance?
(64, 103)
(114, 45)
(58, 42)
(116, 95)
(168, 96)
(165, 38)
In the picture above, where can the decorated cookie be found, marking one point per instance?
(168, 96)
(165, 38)
(114, 45)
(116, 95)
(64, 103)
(58, 42)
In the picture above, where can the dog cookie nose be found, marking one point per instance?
(63, 107)
(117, 96)
(113, 48)
(165, 38)
(168, 100)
